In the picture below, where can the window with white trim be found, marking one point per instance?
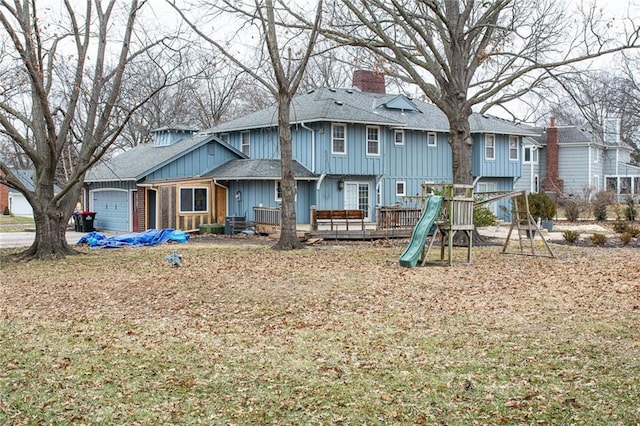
(513, 148)
(398, 137)
(530, 155)
(595, 179)
(401, 188)
(278, 191)
(489, 147)
(373, 140)
(338, 139)
(193, 199)
(432, 139)
(245, 145)
(595, 153)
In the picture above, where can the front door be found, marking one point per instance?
(151, 208)
(356, 197)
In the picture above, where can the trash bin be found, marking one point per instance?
(87, 219)
(77, 221)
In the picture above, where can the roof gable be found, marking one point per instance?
(138, 162)
(401, 103)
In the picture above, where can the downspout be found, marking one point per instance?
(313, 146)
(322, 176)
(475, 181)
(589, 168)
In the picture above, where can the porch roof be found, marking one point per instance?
(258, 169)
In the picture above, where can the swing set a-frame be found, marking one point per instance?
(456, 205)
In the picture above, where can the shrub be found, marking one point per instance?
(6, 211)
(482, 216)
(630, 212)
(541, 206)
(600, 202)
(598, 239)
(634, 231)
(572, 211)
(626, 238)
(570, 236)
(620, 226)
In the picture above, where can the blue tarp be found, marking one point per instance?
(151, 237)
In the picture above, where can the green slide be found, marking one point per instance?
(411, 255)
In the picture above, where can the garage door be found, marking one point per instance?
(112, 210)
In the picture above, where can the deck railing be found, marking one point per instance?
(391, 217)
(266, 216)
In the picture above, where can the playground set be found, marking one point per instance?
(448, 210)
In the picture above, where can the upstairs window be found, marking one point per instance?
(513, 148)
(224, 137)
(245, 146)
(373, 141)
(489, 147)
(432, 139)
(596, 154)
(401, 188)
(530, 155)
(338, 139)
(398, 137)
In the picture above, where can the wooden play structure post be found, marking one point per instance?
(456, 216)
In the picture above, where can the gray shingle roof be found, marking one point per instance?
(355, 106)
(570, 135)
(134, 164)
(261, 169)
(25, 176)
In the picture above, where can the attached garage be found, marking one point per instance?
(112, 209)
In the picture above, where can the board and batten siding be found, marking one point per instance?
(194, 163)
(263, 193)
(501, 165)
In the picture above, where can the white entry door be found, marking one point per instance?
(356, 197)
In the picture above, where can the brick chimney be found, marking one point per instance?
(552, 182)
(369, 81)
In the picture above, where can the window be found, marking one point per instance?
(338, 139)
(224, 137)
(400, 188)
(625, 185)
(431, 139)
(399, 137)
(489, 147)
(536, 184)
(373, 141)
(193, 200)
(530, 155)
(636, 185)
(596, 183)
(513, 148)
(611, 184)
(246, 143)
(278, 191)
(595, 152)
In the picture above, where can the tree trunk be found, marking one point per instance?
(288, 232)
(461, 145)
(50, 240)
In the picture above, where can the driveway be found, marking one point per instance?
(25, 238)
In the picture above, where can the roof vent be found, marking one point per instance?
(311, 91)
(339, 103)
(331, 89)
(349, 90)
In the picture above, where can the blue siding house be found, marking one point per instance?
(354, 148)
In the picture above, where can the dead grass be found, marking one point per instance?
(330, 334)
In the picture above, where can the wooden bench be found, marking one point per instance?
(338, 217)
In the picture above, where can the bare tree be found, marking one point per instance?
(466, 54)
(281, 59)
(70, 84)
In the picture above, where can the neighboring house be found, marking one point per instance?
(577, 163)
(356, 148)
(11, 197)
